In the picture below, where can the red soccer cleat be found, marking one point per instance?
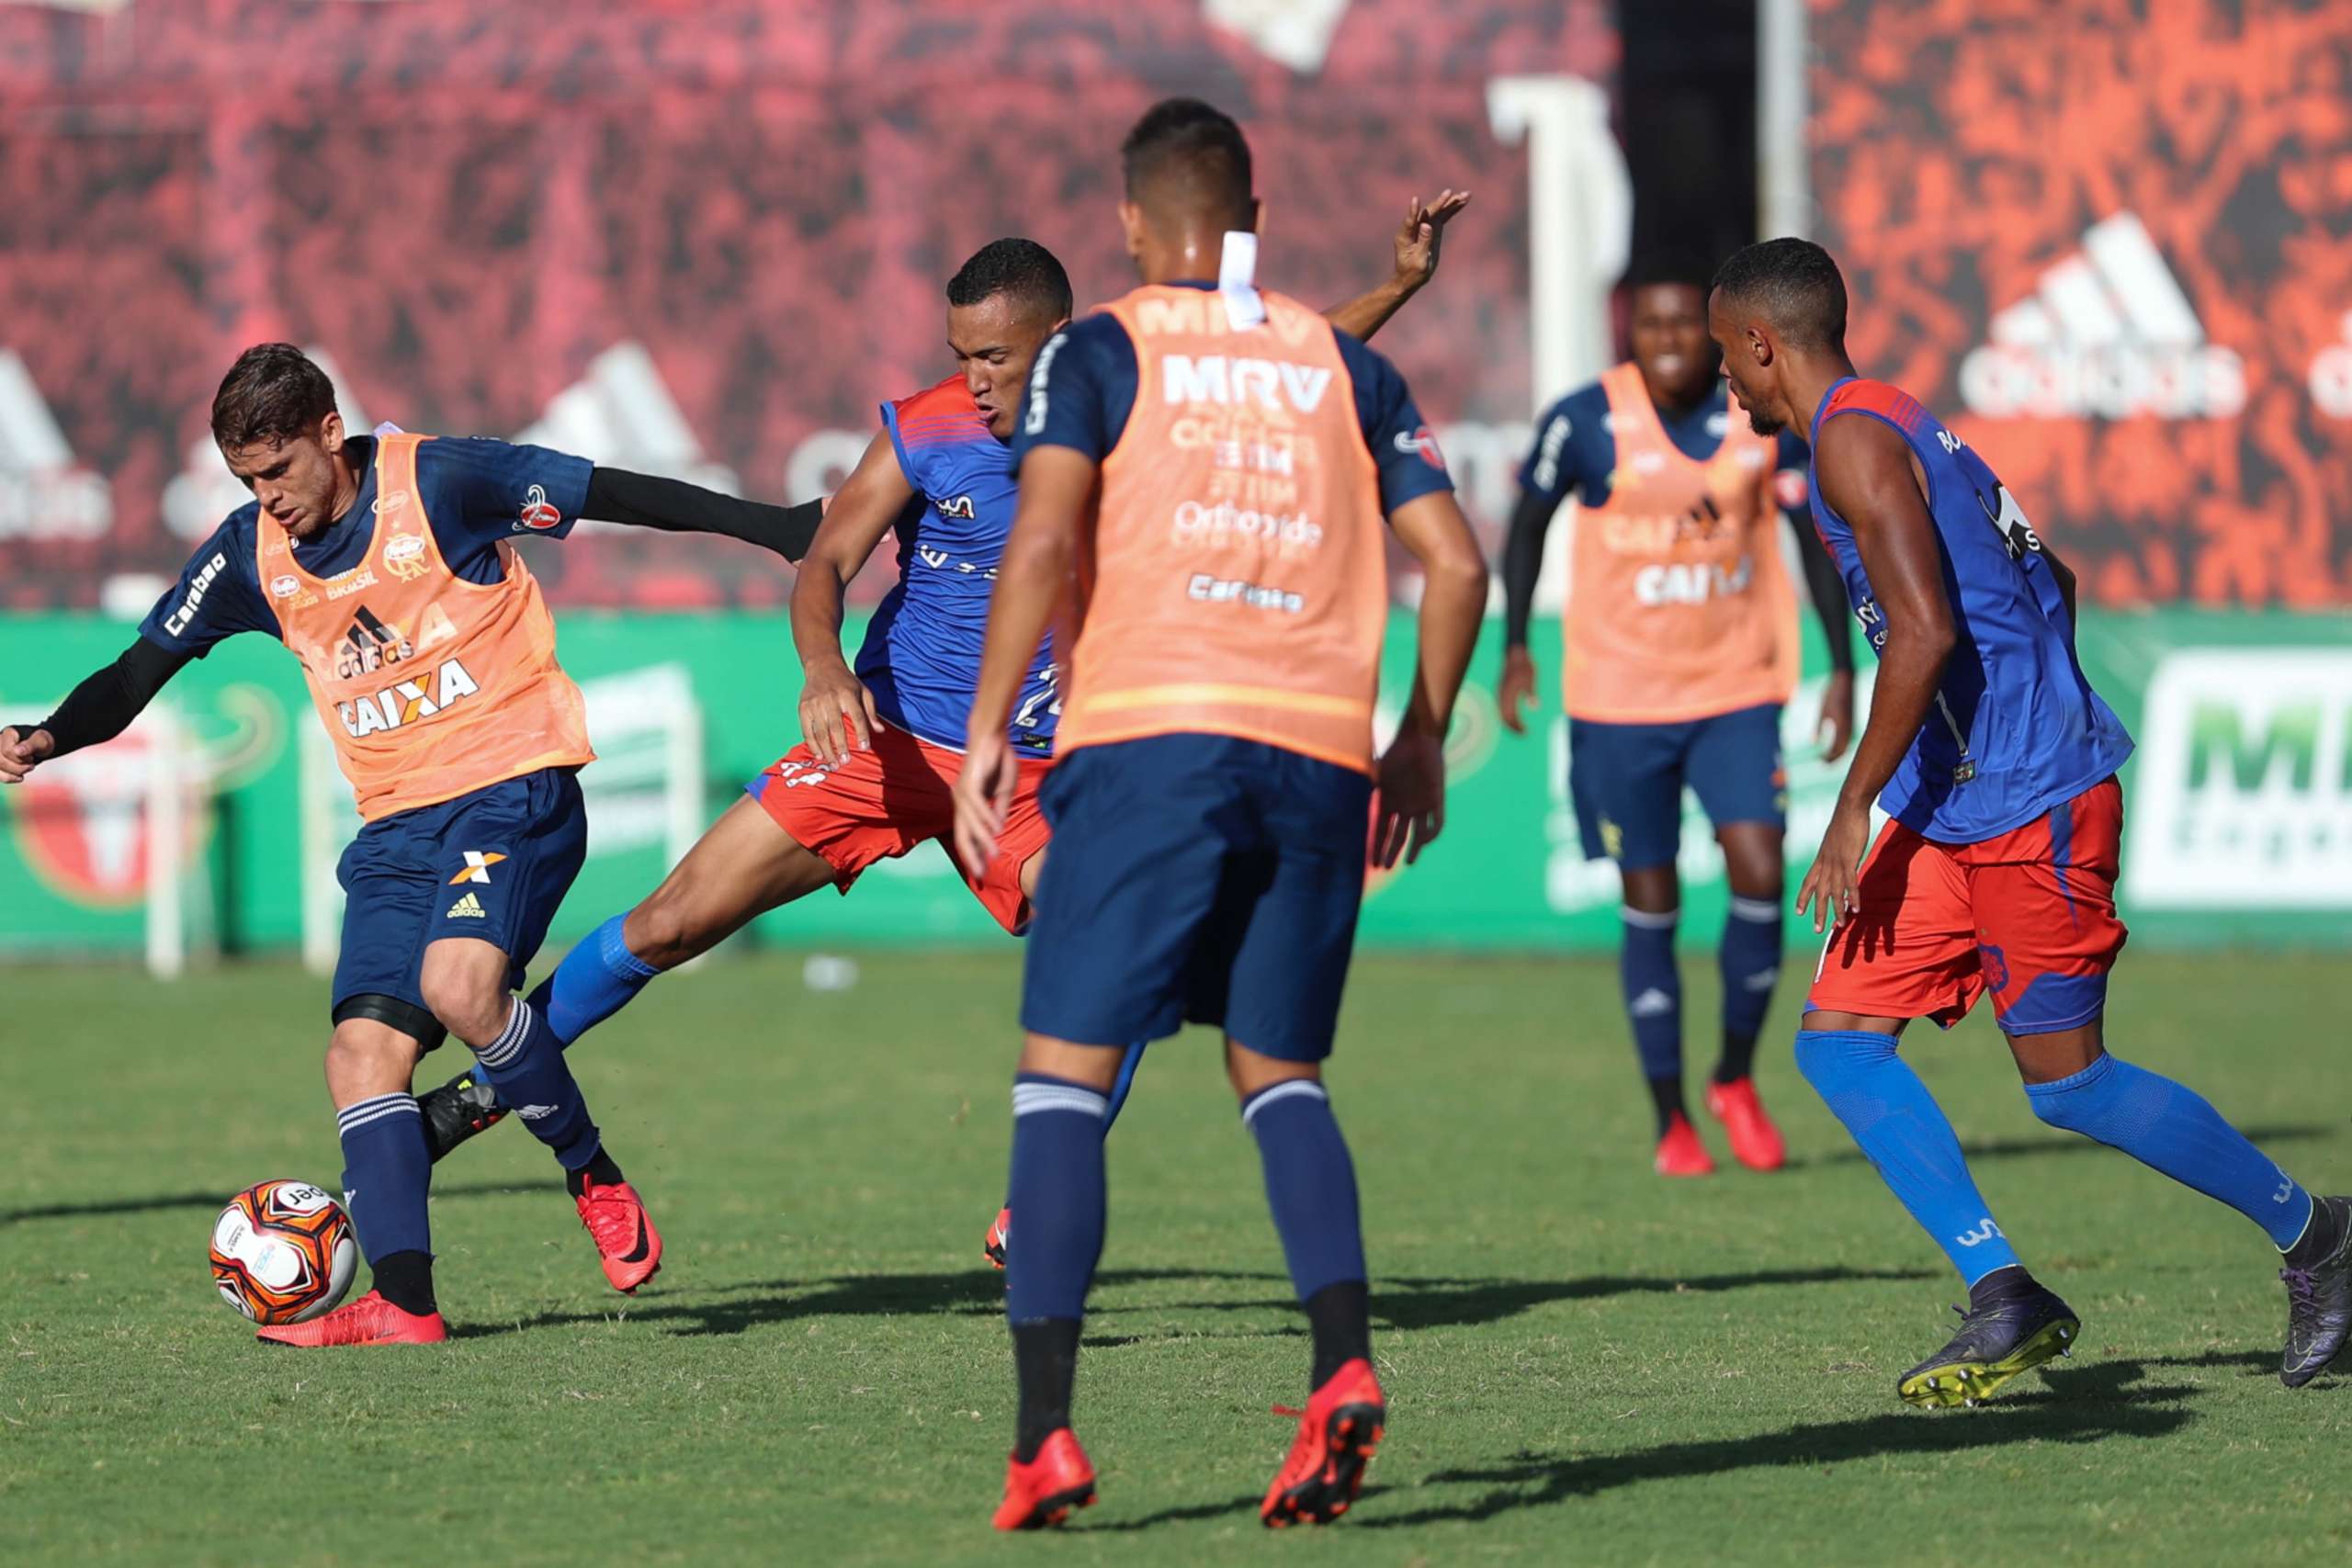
(1339, 1432)
(1754, 1142)
(370, 1319)
(1040, 1494)
(624, 1234)
(1679, 1152)
(998, 1237)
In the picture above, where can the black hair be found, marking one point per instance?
(1022, 268)
(272, 394)
(1796, 285)
(1186, 141)
(1682, 267)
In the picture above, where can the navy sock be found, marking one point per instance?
(1899, 1124)
(1122, 1083)
(1653, 988)
(1311, 1183)
(386, 1170)
(2171, 1128)
(1057, 1198)
(597, 978)
(526, 1065)
(1750, 961)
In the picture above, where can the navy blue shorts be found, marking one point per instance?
(1197, 878)
(492, 864)
(1627, 780)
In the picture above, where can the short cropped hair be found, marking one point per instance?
(1795, 284)
(1022, 268)
(1686, 268)
(272, 394)
(1194, 153)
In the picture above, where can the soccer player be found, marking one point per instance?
(1681, 649)
(386, 564)
(1996, 762)
(1216, 764)
(883, 740)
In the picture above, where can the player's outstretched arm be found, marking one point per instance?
(96, 711)
(648, 500)
(1056, 484)
(1453, 602)
(836, 710)
(1417, 244)
(1864, 467)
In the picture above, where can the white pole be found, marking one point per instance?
(1580, 221)
(167, 834)
(1784, 178)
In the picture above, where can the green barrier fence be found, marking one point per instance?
(2239, 803)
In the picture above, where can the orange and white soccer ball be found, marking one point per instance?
(283, 1251)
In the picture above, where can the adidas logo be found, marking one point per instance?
(535, 1112)
(466, 908)
(45, 492)
(2108, 335)
(621, 414)
(1650, 1004)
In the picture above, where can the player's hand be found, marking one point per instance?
(1832, 889)
(1515, 689)
(1410, 808)
(837, 714)
(21, 750)
(984, 796)
(1835, 728)
(1421, 234)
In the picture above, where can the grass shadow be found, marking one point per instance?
(2022, 1148)
(2080, 1405)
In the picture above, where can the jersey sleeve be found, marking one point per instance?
(478, 491)
(1567, 442)
(1403, 450)
(215, 597)
(1081, 390)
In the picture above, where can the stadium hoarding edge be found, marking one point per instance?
(2238, 805)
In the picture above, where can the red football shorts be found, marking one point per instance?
(2029, 915)
(881, 804)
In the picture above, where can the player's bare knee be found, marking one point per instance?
(1249, 1071)
(663, 931)
(468, 1008)
(366, 1057)
(1652, 889)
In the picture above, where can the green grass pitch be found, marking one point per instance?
(1586, 1364)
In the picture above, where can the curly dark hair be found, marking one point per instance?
(272, 394)
(1796, 285)
(1022, 268)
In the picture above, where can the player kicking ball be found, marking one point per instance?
(1216, 764)
(1681, 650)
(884, 739)
(386, 564)
(1996, 762)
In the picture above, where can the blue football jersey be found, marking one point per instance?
(921, 654)
(2016, 728)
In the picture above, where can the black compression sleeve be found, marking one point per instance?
(1828, 591)
(1522, 563)
(644, 501)
(102, 707)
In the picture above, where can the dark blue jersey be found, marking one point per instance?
(1575, 448)
(477, 492)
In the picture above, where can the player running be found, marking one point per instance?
(883, 740)
(1216, 765)
(1996, 761)
(1681, 640)
(385, 564)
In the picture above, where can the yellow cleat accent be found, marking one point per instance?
(1955, 1384)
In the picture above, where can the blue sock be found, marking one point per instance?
(2169, 1127)
(1311, 1183)
(1056, 1197)
(1750, 959)
(597, 978)
(1899, 1124)
(385, 1172)
(1653, 988)
(526, 1065)
(1122, 1083)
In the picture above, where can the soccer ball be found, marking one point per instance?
(282, 1251)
